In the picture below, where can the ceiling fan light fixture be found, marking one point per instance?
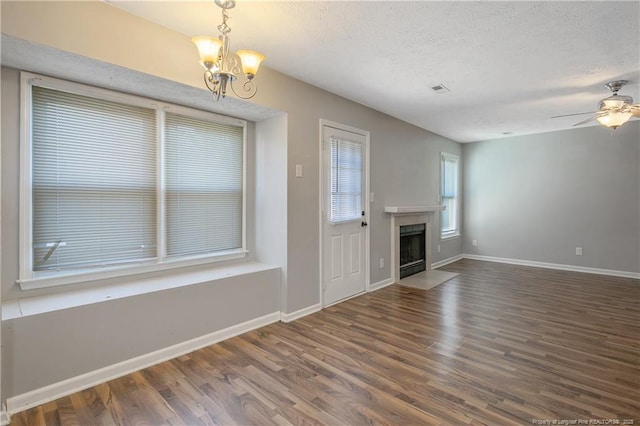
(614, 120)
(615, 102)
(611, 103)
(613, 111)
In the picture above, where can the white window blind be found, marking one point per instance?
(449, 192)
(346, 180)
(116, 183)
(93, 181)
(204, 184)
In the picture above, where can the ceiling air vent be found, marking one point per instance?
(440, 89)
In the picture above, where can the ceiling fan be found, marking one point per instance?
(613, 111)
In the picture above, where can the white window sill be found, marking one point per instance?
(451, 236)
(46, 280)
(55, 302)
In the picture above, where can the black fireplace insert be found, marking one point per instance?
(412, 249)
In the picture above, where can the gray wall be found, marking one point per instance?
(404, 170)
(42, 349)
(84, 339)
(539, 197)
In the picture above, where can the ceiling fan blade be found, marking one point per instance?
(594, 117)
(571, 115)
(635, 110)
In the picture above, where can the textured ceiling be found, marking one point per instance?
(509, 66)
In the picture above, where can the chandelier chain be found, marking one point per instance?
(224, 28)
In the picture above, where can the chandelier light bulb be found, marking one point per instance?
(251, 61)
(208, 49)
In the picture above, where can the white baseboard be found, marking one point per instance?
(300, 313)
(380, 284)
(318, 307)
(446, 261)
(573, 268)
(54, 391)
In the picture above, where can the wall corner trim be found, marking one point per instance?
(66, 387)
(572, 268)
(284, 317)
(446, 261)
(4, 418)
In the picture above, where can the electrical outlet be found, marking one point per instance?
(381, 262)
(578, 251)
(474, 243)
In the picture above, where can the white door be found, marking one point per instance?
(344, 216)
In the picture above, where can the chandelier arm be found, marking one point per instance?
(212, 84)
(209, 81)
(249, 89)
(233, 65)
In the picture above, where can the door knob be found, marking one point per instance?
(363, 224)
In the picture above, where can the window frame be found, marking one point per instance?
(455, 232)
(30, 279)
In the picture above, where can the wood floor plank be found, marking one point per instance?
(496, 345)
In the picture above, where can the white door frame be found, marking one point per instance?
(366, 206)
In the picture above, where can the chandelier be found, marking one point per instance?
(224, 69)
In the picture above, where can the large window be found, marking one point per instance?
(449, 195)
(112, 181)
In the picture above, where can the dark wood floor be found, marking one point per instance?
(497, 345)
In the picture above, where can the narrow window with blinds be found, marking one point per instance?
(449, 194)
(93, 182)
(204, 181)
(118, 184)
(346, 180)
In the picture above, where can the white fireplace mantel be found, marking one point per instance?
(409, 215)
(412, 209)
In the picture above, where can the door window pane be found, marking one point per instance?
(346, 180)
